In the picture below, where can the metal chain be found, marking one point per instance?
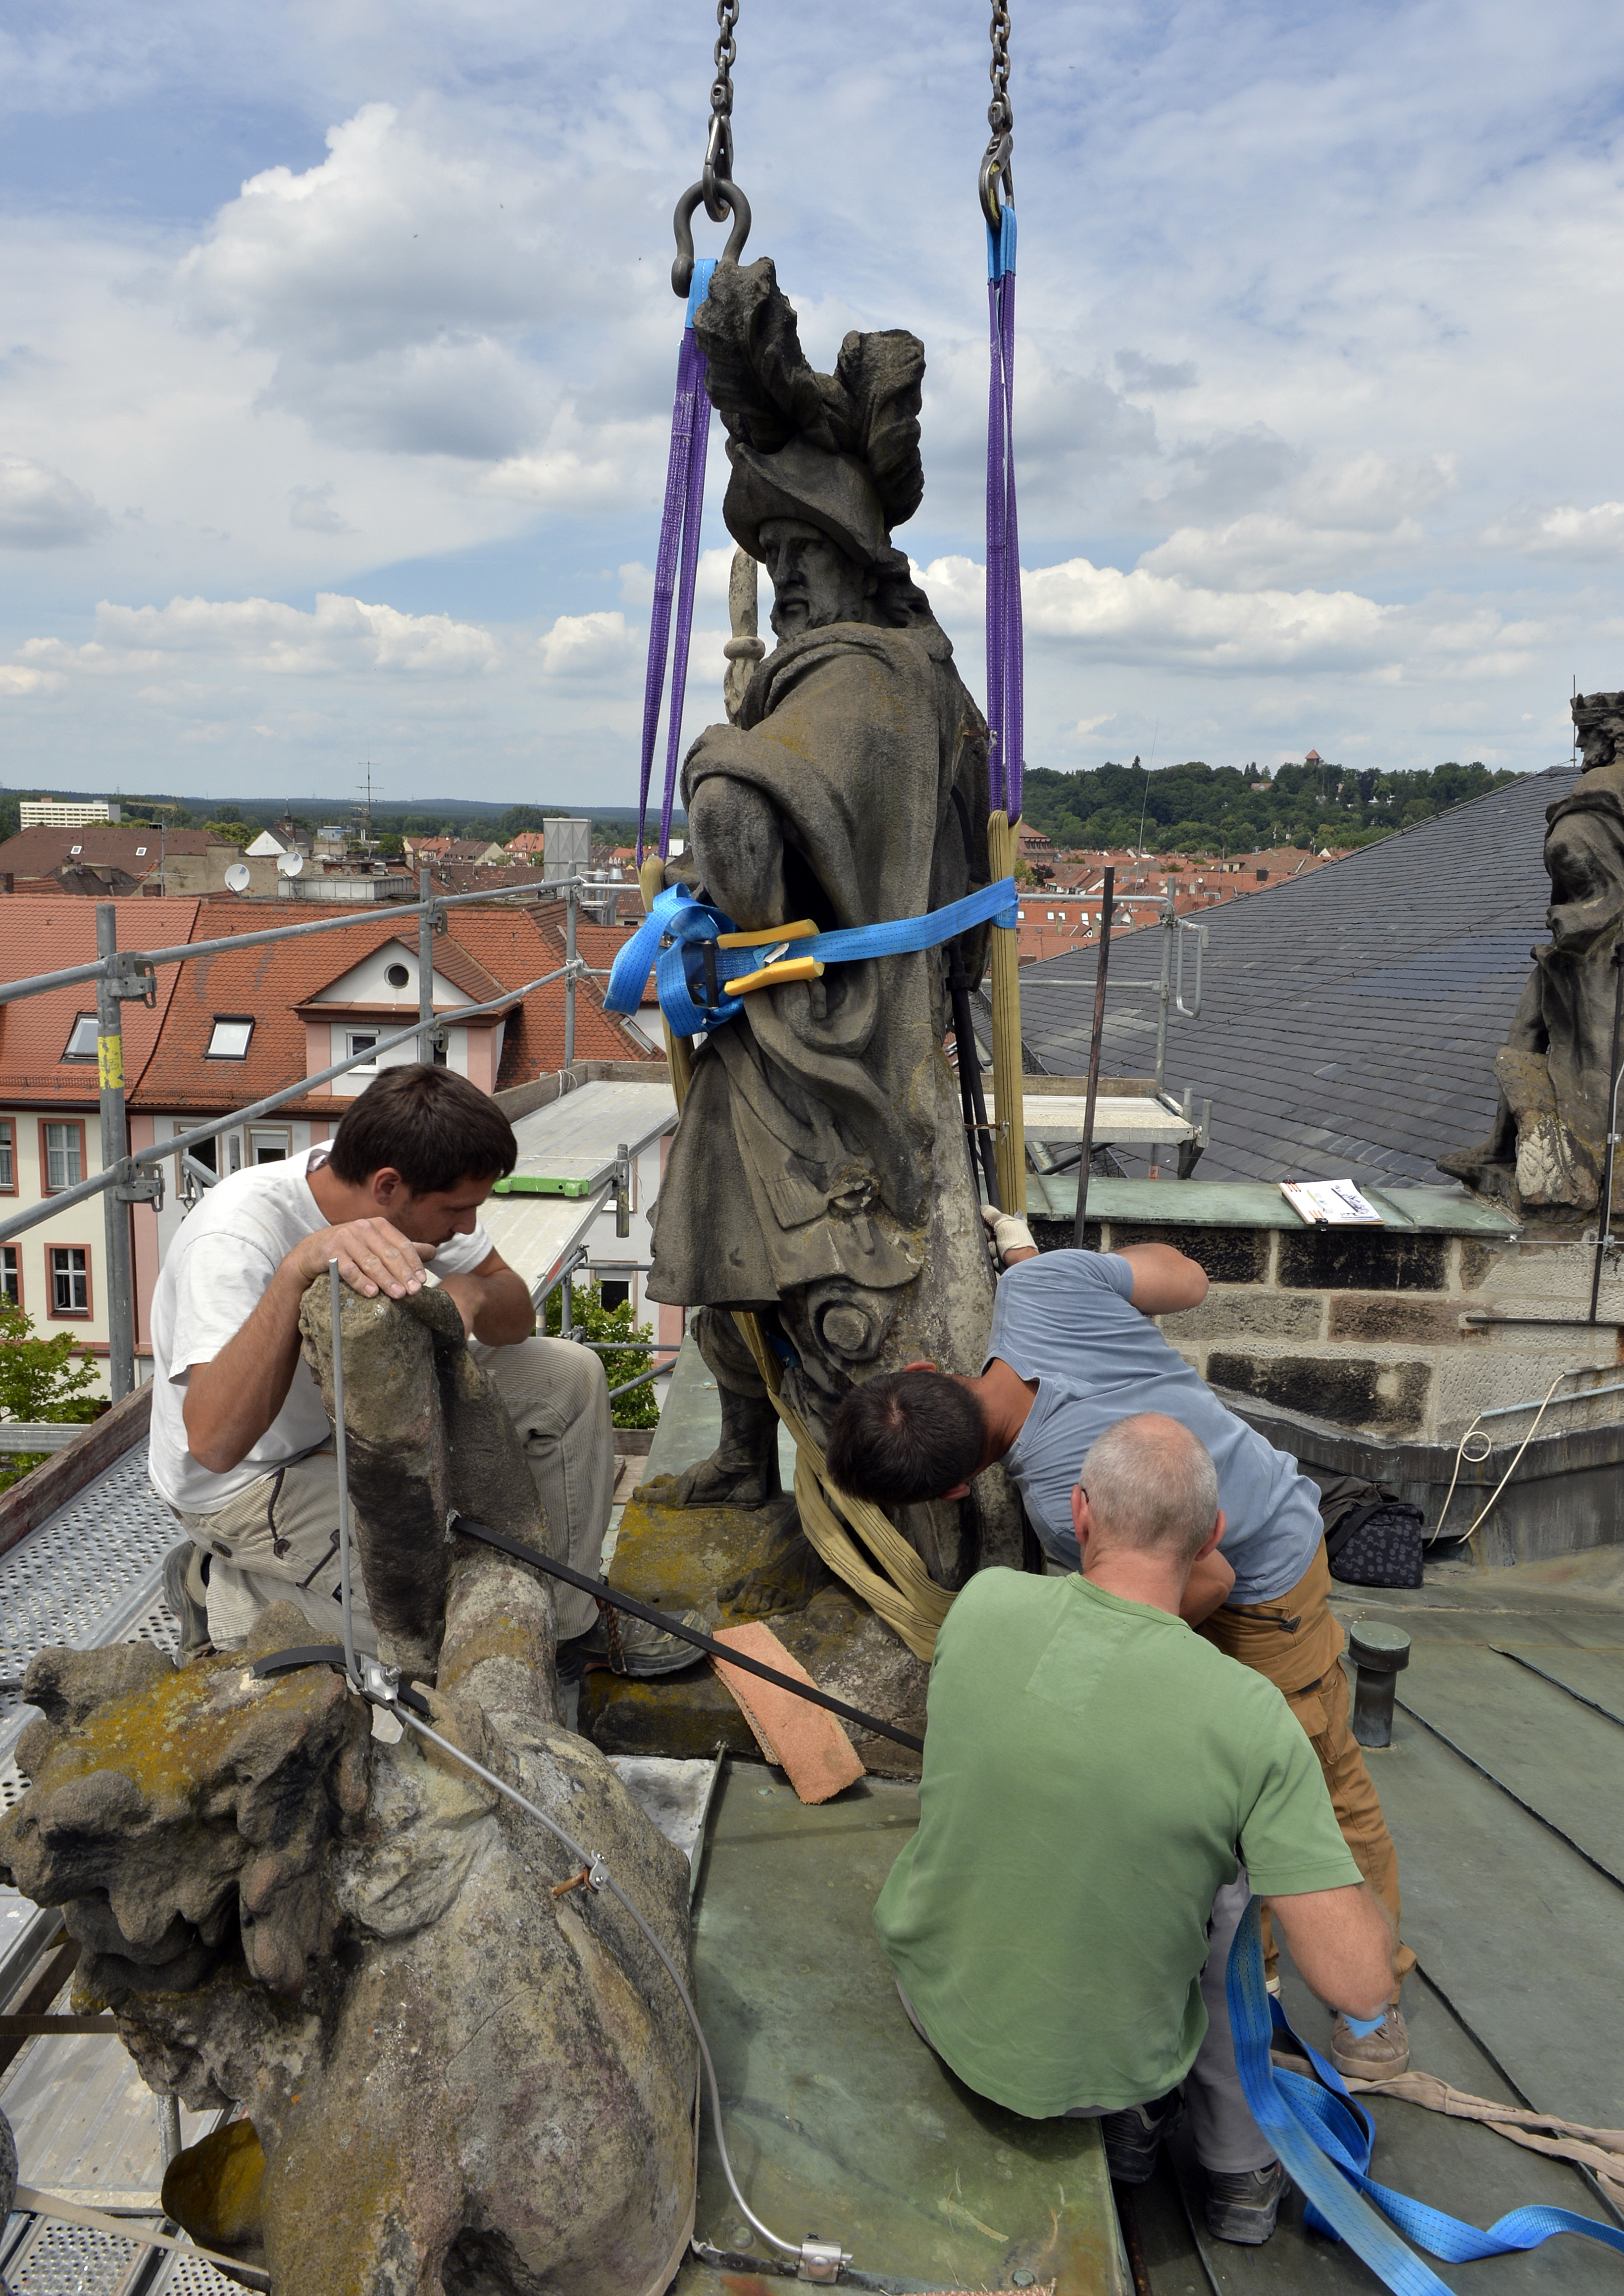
(727, 50)
(717, 169)
(996, 179)
(1000, 118)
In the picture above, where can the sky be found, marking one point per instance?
(337, 347)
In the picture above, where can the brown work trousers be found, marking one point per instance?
(1297, 1645)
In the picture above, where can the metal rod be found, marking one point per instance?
(115, 1148)
(655, 1371)
(1579, 1395)
(38, 984)
(570, 913)
(971, 1090)
(1101, 970)
(1165, 994)
(425, 969)
(1603, 1227)
(335, 1295)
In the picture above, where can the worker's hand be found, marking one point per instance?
(372, 1257)
(1011, 1237)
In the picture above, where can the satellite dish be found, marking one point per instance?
(239, 877)
(289, 864)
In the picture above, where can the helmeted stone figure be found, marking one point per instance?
(1548, 1145)
(819, 1172)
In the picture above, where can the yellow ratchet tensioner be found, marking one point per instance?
(775, 939)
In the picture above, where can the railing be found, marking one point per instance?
(121, 975)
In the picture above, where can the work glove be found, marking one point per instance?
(1008, 1232)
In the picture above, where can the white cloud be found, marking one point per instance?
(42, 510)
(260, 633)
(312, 508)
(1596, 534)
(587, 648)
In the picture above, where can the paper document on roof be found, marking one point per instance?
(1334, 1203)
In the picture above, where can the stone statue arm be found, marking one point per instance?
(232, 1400)
(493, 1302)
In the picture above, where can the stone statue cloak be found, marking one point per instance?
(805, 1153)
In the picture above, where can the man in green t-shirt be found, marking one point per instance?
(1100, 1788)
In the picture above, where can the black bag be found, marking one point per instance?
(1373, 1537)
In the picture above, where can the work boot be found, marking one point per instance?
(1133, 2137)
(630, 1645)
(1380, 2055)
(1242, 2204)
(186, 1597)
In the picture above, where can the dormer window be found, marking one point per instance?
(229, 1039)
(82, 1038)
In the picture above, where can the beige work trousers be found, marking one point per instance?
(277, 1540)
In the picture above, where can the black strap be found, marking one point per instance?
(331, 1653)
(607, 1594)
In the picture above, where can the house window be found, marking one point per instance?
(614, 1287)
(82, 1038)
(63, 1156)
(360, 1040)
(141, 852)
(229, 1038)
(75, 848)
(8, 1162)
(10, 1275)
(398, 976)
(267, 1147)
(69, 1279)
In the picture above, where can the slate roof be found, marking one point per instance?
(1350, 1016)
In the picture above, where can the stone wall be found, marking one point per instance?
(1372, 1351)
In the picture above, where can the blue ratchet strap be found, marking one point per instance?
(1324, 2139)
(703, 967)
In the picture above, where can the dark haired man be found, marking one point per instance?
(1073, 1350)
(1085, 1744)
(241, 1449)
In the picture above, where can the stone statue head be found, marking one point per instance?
(824, 466)
(1584, 853)
(1598, 720)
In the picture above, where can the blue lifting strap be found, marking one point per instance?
(1324, 2139)
(695, 970)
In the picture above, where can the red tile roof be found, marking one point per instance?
(48, 935)
(40, 852)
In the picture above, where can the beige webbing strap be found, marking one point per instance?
(134, 2229)
(905, 1596)
(1599, 2150)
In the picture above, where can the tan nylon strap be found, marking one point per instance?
(905, 1596)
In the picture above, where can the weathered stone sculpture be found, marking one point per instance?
(458, 2083)
(1548, 1145)
(819, 1174)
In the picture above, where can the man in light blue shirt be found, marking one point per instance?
(1072, 1350)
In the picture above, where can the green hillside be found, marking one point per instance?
(1200, 808)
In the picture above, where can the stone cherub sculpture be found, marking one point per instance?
(455, 2082)
(1548, 1145)
(819, 1174)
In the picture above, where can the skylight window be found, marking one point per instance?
(75, 848)
(82, 1041)
(229, 1038)
(141, 852)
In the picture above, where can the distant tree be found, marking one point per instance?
(230, 833)
(391, 841)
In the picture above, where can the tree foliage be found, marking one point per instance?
(53, 1380)
(1200, 808)
(589, 1313)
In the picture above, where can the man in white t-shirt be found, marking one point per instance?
(242, 1448)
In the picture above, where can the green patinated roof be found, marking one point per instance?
(1254, 1203)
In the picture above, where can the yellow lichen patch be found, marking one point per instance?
(171, 1738)
(213, 2188)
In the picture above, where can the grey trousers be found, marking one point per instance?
(277, 1540)
(1227, 2139)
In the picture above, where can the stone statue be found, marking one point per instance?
(456, 2082)
(819, 1174)
(1548, 1145)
